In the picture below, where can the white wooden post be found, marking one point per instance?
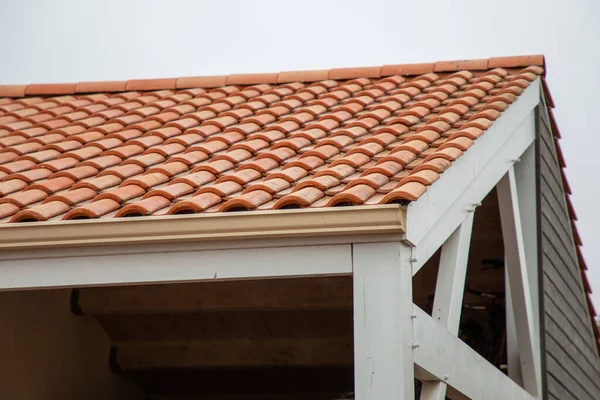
(526, 188)
(449, 290)
(518, 278)
(383, 336)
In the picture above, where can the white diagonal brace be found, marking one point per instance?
(443, 356)
(449, 289)
(516, 267)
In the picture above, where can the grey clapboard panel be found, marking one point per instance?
(570, 354)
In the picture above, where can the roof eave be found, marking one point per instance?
(381, 219)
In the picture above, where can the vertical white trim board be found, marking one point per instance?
(518, 277)
(383, 363)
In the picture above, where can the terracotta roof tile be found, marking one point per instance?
(458, 65)
(50, 89)
(108, 86)
(12, 91)
(252, 79)
(151, 84)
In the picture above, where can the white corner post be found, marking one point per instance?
(518, 253)
(383, 333)
(449, 290)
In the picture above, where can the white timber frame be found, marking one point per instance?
(394, 341)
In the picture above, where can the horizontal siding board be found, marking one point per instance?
(552, 231)
(559, 389)
(573, 342)
(543, 116)
(558, 272)
(561, 294)
(558, 213)
(572, 366)
(574, 330)
(569, 274)
(550, 162)
(562, 374)
(579, 372)
(565, 249)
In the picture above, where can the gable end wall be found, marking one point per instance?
(570, 356)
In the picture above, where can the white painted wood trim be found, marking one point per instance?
(176, 267)
(452, 272)
(449, 290)
(525, 174)
(442, 356)
(513, 358)
(86, 251)
(383, 362)
(518, 277)
(432, 218)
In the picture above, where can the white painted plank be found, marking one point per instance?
(525, 175)
(433, 217)
(383, 360)
(176, 266)
(513, 357)
(449, 290)
(518, 276)
(443, 356)
(83, 251)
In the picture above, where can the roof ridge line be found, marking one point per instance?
(47, 89)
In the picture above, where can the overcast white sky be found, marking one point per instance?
(73, 40)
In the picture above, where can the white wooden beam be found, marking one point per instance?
(452, 272)
(525, 175)
(442, 356)
(513, 358)
(383, 362)
(518, 277)
(449, 290)
(164, 267)
(434, 216)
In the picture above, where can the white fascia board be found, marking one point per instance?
(119, 269)
(230, 244)
(442, 356)
(432, 218)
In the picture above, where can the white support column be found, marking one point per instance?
(383, 335)
(449, 290)
(518, 278)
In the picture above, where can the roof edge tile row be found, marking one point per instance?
(270, 78)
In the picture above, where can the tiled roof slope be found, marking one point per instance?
(323, 138)
(254, 142)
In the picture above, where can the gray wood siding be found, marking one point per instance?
(570, 355)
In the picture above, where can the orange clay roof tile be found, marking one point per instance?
(247, 141)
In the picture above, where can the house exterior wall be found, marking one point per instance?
(570, 356)
(48, 353)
